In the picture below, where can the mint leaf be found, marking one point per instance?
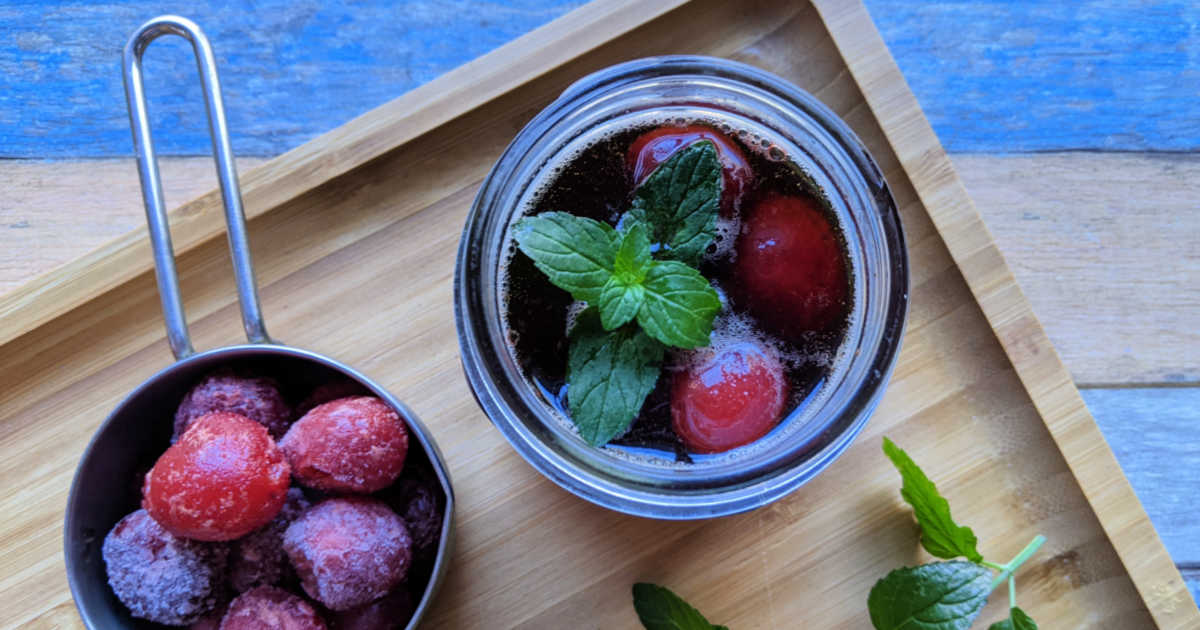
(940, 535)
(937, 596)
(660, 609)
(680, 200)
(679, 305)
(575, 253)
(1017, 620)
(609, 375)
(622, 296)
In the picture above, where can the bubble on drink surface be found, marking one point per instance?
(731, 327)
(573, 312)
(724, 240)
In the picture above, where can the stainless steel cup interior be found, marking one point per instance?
(129, 441)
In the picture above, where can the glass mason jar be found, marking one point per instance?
(732, 96)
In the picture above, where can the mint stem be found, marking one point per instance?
(1012, 592)
(992, 565)
(1015, 563)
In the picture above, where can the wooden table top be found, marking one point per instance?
(1073, 126)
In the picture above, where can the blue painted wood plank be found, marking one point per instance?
(993, 75)
(1191, 575)
(290, 69)
(1155, 434)
(1030, 75)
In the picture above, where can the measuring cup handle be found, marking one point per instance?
(156, 213)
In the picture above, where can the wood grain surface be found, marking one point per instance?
(1007, 311)
(1072, 225)
(529, 553)
(1110, 274)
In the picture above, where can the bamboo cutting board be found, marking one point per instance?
(354, 236)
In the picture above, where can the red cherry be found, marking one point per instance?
(657, 146)
(355, 444)
(790, 268)
(727, 397)
(224, 478)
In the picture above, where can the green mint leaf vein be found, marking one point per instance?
(609, 375)
(679, 305)
(660, 609)
(575, 253)
(623, 294)
(936, 596)
(1017, 620)
(940, 535)
(680, 199)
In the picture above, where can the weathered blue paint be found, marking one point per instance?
(992, 75)
(1036, 75)
(1155, 434)
(290, 69)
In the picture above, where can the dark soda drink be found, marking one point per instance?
(598, 181)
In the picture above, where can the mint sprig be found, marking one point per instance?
(660, 609)
(940, 535)
(610, 375)
(680, 200)
(942, 595)
(680, 305)
(935, 596)
(624, 294)
(613, 363)
(1017, 620)
(575, 253)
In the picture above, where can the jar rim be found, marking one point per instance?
(524, 419)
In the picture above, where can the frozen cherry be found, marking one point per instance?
(258, 559)
(727, 397)
(349, 551)
(160, 576)
(223, 479)
(790, 268)
(355, 444)
(333, 390)
(419, 503)
(657, 146)
(270, 608)
(212, 620)
(390, 612)
(255, 397)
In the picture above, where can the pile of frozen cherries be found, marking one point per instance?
(262, 514)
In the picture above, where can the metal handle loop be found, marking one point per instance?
(156, 213)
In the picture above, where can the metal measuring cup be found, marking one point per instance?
(139, 429)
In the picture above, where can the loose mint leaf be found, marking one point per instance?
(609, 375)
(575, 253)
(940, 535)
(937, 596)
(680, 199)
(679, 305)
(1017, 620)
(623, 294)
(660, 609)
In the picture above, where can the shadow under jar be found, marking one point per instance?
(778, 122)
